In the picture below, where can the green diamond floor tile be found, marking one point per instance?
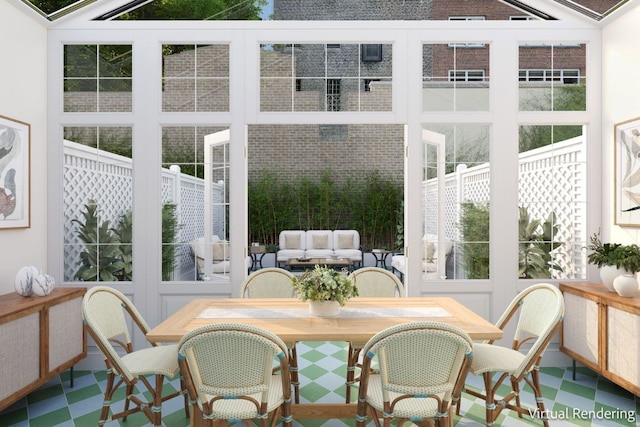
(322, 376)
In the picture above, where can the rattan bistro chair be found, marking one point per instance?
(422, 367)
(371, 282)
(106, 312)
(540, 308)
(227, 368)
(275, 282)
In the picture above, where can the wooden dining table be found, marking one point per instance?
(359, 320)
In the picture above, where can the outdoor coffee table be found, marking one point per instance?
(309, 263)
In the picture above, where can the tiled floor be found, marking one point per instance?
(322, 371)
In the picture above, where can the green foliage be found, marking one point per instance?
(325, 284)
(536, 243)
(369, 205)
(613, 254)
(475, 232)
(108, 252)
(198, 10)
(101, 260)
(170, 229)
(399, 243)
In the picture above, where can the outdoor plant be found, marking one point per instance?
(536, 243)
(475, 229)
(325, 284)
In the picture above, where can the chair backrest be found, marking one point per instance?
(540, 310)
(105, 311)
(271, 282)
(420, 358)
(377, 282)
(231, 360)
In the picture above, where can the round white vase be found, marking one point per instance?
(608, 273)
(324, 308)
(626, 285)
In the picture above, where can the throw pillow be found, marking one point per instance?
(220, 250)
(292, 241)
(429, 250)
(345, 241)
(320, 241)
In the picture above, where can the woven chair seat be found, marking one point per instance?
(160, 360)
(228, 409)
(492, 358)
(407, 408)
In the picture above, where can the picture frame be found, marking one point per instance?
(627, 172)
(15, 173)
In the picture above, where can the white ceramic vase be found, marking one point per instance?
(626, 285)
(608, 273)
(324, 308)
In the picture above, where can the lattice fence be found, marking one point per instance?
(550, 178)
(105, 177)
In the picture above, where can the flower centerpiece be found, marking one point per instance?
(325, 288)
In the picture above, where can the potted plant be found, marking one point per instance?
(326, 289)
(613, 259)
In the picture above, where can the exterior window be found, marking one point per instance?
(97, 203)
(195, 205)
(371, 52)
(455, 79)
(552, 195)
(322, 77)
(333, 95)
(97, 78)
(455, 201)
(195, 78)
(552, 77)
(466, 75)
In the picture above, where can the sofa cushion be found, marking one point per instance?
(345, 241)
(292, 241)
(320, 241)
(220, 250)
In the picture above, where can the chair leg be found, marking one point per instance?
(108, 394)
(490, 404)
(537, 391)
(515, 386)
(127, 401)
(293, 369)
(352, 361)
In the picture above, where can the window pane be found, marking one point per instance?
(455, 200)
(195, 78)
(195, 210)
(97, 204)
(552, 202)
(455, 77)
(552, 77)
(97, 78)
(325, 77)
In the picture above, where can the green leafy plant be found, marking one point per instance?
(601, 254)
(616, 255)
(170, 229)
(536, 244)
(325, 284)
(101, 259)
(475, 232)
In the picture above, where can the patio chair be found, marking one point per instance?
(371, 282)
(274, 282)
(227, 370)
(422, 368)
(540, 308)
(106, 312)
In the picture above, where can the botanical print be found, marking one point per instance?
(14, 173)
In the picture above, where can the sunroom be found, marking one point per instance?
(471, 142)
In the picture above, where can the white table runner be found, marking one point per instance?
(261, 313)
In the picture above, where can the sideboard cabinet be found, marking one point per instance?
(602, 331)
(39, 338)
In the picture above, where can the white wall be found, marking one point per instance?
(621, 101)
(23, 96)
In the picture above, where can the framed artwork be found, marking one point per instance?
(627, 172)
(15, 181)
